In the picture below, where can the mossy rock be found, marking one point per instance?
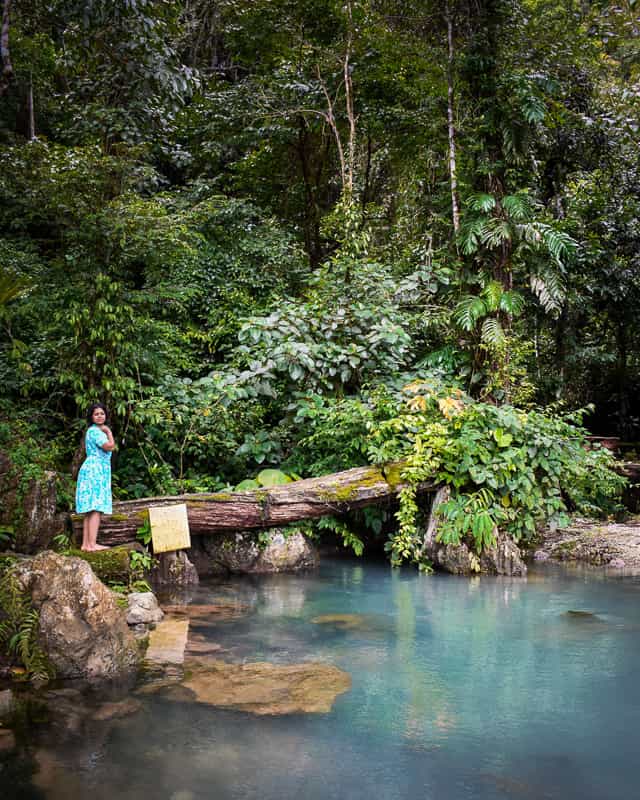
(112, 565)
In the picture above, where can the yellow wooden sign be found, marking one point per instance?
(169, 528)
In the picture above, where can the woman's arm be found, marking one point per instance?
(110, 443)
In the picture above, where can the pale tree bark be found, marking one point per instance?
(453, 179)
(348, 89)
(6, 68)
(346, 153)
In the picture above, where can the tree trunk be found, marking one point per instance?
(6, 68)
(261, 508)
(429, 543)
(32, 116)
(453, 179)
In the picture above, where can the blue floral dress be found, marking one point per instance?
(93, 490)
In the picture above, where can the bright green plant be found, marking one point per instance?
(140, 563)
(143, 534)
(62, 542)
(341, 528)
(507, 469)
(265, 479)
(19, 627)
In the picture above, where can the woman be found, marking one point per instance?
(93, 491)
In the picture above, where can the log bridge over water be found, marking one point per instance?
(211, 513)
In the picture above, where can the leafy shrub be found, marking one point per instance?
(508, 469)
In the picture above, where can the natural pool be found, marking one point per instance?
(460, 688)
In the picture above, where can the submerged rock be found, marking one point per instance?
(369, 625)
(7, 740)
(117, 709)
(221, 610)
(273, 550)
(343, 622)
(264, 688)
(82, 629)
(582, 616)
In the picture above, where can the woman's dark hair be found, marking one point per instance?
(92, 408)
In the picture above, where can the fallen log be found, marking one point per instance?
(260, 508)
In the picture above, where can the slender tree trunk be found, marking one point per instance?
(32, 117)
(455, 207)
(367, 173)
(6, 68)
(622, 370)
(561, 351)
(348, 89)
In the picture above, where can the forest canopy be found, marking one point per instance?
(231, 220)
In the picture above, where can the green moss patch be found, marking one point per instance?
(109, 565)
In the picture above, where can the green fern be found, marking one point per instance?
(492, 332)
(471, 234)
(511, 302)
(495, 232)
(482, 202)
(468, 311)
(19, 626)
(518, 207)
(548, 287)
(491, 294)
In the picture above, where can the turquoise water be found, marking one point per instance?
(461, 688)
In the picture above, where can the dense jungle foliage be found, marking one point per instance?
(309, 234)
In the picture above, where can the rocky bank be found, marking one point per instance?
(600, 543)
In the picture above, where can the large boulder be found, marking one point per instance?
(31, 512)
(273, 550)
(82, 629)
(503, 558)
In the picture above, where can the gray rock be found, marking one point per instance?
(82, 629)
(503, 558)
(31, 513)
(273, 550)
(541, 555)
(617, 563)
(143, 608)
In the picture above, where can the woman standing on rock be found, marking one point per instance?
(93, 491)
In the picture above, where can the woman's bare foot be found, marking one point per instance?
(100, 547)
